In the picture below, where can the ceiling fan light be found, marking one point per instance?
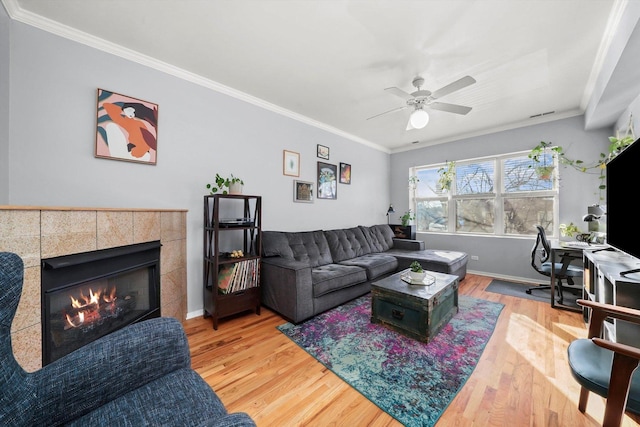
(419, 119)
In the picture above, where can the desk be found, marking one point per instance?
(574, 248)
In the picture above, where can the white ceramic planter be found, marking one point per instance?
(417, 277)
(235, 188)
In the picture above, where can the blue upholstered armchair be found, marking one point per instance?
(138, 376)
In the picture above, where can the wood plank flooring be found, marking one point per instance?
(522, 378)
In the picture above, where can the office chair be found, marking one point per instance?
(564, 270)
(606, 367)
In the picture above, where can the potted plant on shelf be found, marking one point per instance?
(416, 273)
(405, 230)
(408, 216)
(230, 185)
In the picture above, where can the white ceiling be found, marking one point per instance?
(327, 62)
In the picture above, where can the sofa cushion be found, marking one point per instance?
(276, 243)
(309, 247)
(375, 265)
(347, 243)
(431, 259)
(331, 277)
(380, 237)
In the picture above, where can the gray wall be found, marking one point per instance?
(4, 105)
(509, 256)
(200, 132)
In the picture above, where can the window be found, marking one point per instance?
(500, 195)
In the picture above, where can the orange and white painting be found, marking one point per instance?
(127, 128)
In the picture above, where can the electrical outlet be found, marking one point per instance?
(474, 257)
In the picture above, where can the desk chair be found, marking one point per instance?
(564, 270)
(606, 367)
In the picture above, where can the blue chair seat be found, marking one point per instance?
(572, 270)
(591, 367)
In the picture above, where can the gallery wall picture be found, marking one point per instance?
(303, 191)
(327, 181)
(345, 173)
(290, 163)
(323, 152)
(127, 128)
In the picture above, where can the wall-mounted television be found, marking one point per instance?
(623, 173)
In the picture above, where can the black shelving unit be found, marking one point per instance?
(231, 285)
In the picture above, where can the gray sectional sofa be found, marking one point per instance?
(306, 273)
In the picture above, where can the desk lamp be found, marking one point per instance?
(594, 213)
(389, 211)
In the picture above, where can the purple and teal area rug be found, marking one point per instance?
(409, 380)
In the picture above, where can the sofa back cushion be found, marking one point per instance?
(347, 243)
(276, 243)
(380, 237)
(309, 247)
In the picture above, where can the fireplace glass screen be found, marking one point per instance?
(87, 308)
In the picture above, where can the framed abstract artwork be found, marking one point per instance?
(303, 191)
(290, 163)
(323, 152)
(345, 173)
(327, 181)
(127, 128)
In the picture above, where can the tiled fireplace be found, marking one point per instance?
(42, 233)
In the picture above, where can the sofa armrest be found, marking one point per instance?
(108, 368)
(287, 287)
(408, 244)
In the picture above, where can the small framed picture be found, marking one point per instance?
(323, 152)
(327, 181)
(345, 173)
(290, 163)
(302, 191)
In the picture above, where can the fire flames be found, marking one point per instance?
(86, 308)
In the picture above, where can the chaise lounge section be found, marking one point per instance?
(306, 273)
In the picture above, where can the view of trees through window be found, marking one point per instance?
(501, 195)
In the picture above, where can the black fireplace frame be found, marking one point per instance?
(86, 267)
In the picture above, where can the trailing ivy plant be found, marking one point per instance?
(616, 146)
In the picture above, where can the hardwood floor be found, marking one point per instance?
(522, 378)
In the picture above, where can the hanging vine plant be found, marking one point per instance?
(616, 146)
(447, 174)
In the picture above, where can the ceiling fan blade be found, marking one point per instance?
(451, 108)
(399, 92)
(387, 112)
(452, 87)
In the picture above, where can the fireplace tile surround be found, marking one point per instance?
(35, 233)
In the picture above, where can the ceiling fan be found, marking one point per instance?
(421, 99)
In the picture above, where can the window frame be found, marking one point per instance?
(499, 196)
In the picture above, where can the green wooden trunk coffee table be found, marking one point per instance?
(416, 311)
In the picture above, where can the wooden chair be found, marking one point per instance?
(606, 367)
